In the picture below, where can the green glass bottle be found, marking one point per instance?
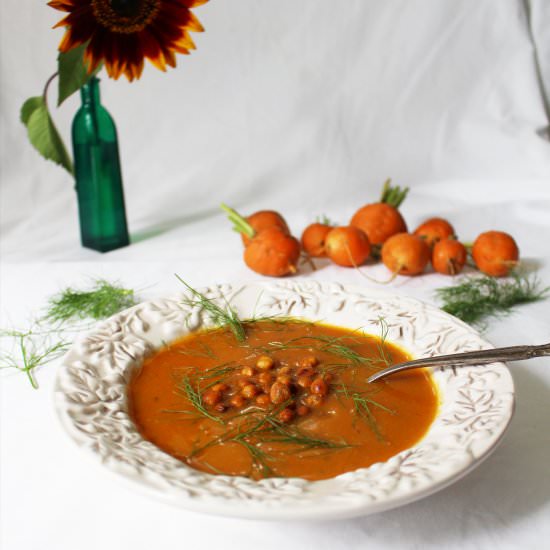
(98, 177)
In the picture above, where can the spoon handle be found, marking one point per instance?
(481, 357)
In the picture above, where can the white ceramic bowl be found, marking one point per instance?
(475, 409)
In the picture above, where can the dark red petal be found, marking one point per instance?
(94, 50)
(68, 5)
(83, 28)
(149, 45)
(190, 3)
(179, 16)
(61, 5)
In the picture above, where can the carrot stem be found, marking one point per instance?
(393, 195)
(307, 259)
(240, 225)
(360, 271)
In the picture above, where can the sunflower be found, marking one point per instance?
(122, 33)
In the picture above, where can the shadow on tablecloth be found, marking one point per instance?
(511, 485)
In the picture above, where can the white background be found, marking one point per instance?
(305, 106)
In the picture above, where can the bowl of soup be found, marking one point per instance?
(252, 400)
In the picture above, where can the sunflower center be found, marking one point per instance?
(125, 16)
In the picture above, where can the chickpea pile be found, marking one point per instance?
(268, 382)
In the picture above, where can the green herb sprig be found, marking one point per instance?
(475, 298)
(328, 344)
(194, 396)
(362, 404)
(260, 428)
(99, 302)
(33, 348)
(277, 432)
(385, 355)
(47, 338)
(222, 317)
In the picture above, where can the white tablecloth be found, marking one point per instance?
(305, 106)
(55, 497)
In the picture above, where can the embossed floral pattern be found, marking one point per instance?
(476, 402)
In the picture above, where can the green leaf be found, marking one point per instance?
(73, 73)
(29, 107)
(43, 134)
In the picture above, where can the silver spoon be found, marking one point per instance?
(482, 357)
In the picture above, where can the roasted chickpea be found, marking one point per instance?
(306, 371)
(220, 387)
(304, 381)
(242, 382)
(284, 370)
(237, 401)
(308, 361)
(265, 378)
(279, 393)
(264, 362)
(286, 415)
(302, 410)
(319, 387)
(284, 379)
(211, 397)
(313, 400)
(247, 371)
(263, 400)
(220, 407)
(249, 391)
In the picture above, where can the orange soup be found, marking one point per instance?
(290, 400)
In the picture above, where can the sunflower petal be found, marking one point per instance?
(63, 23)
(194, 24)
(149, 45)
(61, 5)
(153, 51)
(68, 42)
(91, 63)
(170, 57)
(185, 42)
(192, 3)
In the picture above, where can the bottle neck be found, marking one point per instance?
(90, 92)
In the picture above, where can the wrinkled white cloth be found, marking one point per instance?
(304, 106)
(306, 103)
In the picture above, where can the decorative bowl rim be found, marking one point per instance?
(476, 403)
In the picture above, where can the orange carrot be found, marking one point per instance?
(495, 253)
(313, 239)
(449, 256)
(382, 219)
(264, 219)
(347, 246)
(405, 254)
(270, 251)
(434, 230)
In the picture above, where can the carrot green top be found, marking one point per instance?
(393, 195)
(240, 225)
